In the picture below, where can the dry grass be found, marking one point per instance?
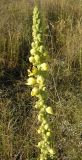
(62, 26)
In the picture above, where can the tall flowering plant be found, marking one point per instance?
(37, 78)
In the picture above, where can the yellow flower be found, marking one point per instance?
(28, 71)
(44, 66)
(40, 117)
(34, 91)
(51, 151)
(48, 134)
(39, 37)
(39, 144)
(44, 122)
(46, 126)
(40, 80)
(45, 54)
(49, 110)
(39, 131)
(32, 51)
(41, 102)
(33, 44)
(41, 49)
(31, 81)
(36, 43)
(31, 59)
(37, 58)
(44, 88)
(34, 70)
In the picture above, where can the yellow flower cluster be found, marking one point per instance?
(37, 77)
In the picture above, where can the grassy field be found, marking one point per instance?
(62, 35)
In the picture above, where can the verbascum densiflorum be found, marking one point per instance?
(37, 79)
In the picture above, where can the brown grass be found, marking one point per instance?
(62, 26)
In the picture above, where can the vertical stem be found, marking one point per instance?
(37, 78)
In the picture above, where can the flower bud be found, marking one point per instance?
(49, 110)
(34, 91)
(40, 80)
(45, 54)
(44, 66)
(44, 122)
(33, 52)
(39, 144)
(33, 44)
(40, 117)
(41, 49)
(51, 151)
(31, 81)
(48, 134)
(39, 37)
(37, 58)
(39, 131)
(46, 127)
(31, 59)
